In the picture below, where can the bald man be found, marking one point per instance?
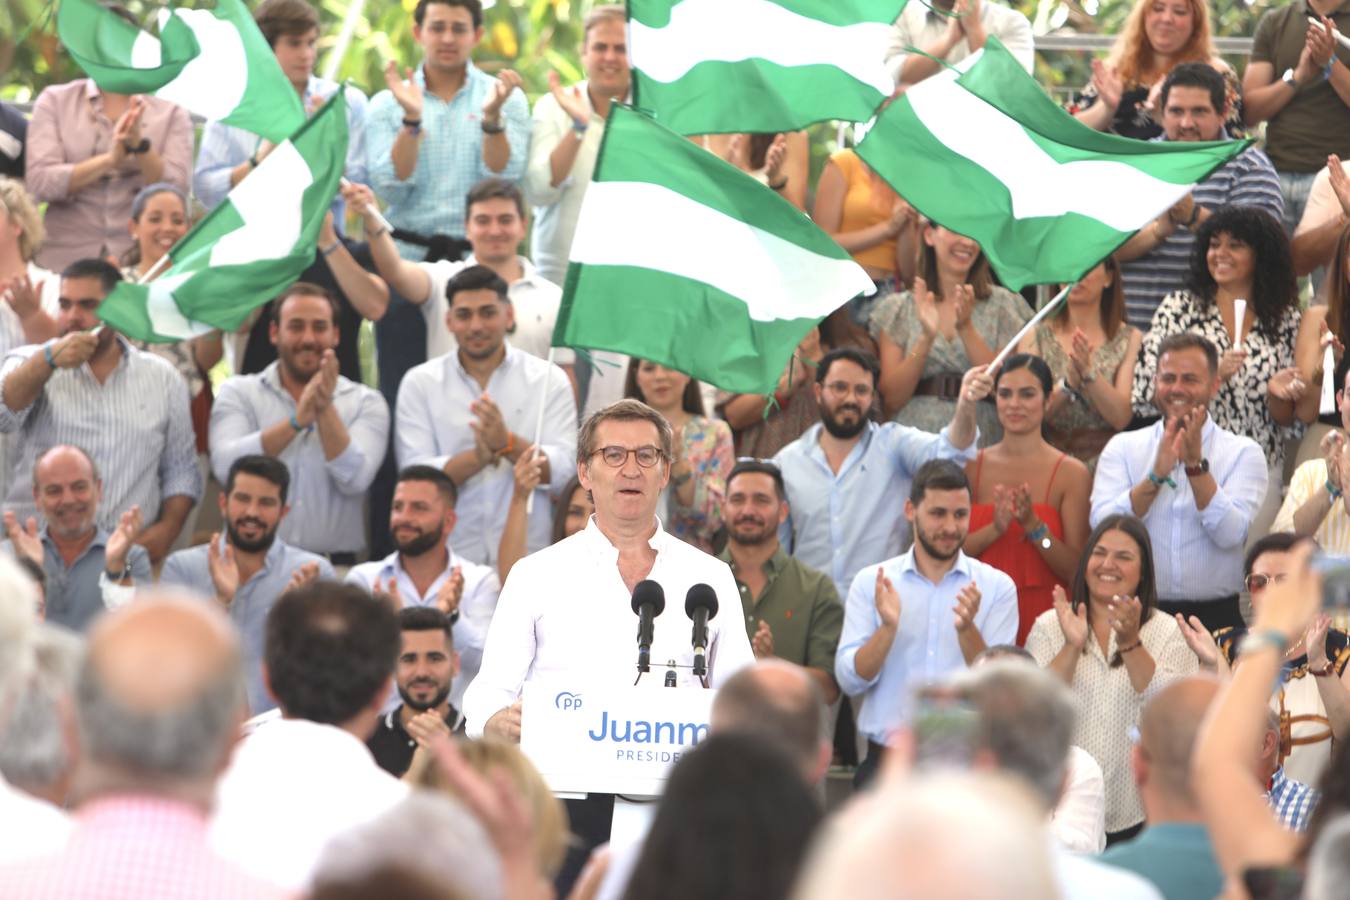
(158, 703)
(85, 564)
(1174, 851)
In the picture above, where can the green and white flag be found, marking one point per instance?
(716, 66)
(247, 249)
(985, 152)
(213, 62)
(685, 260)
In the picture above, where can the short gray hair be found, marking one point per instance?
(186, 742)
(624, 411)
(795, 721)
(89, 457)
(428, 833)
(1329, 861)
(1025, 718)
(18, 618)
(33, 750)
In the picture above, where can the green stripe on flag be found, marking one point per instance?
(656, 13)
(103, 43)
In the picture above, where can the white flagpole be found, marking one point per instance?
(374, 210)
(1044, 311)
(539, 430)
(1329, 386)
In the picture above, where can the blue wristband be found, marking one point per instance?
(47, 355)
(1159, 482)
(295, 423)
(1334, 491)
(1037, 534)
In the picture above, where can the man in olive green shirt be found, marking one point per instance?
(791, 610)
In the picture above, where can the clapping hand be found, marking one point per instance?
(388, 590)
(450, 593)
(490, 424)
(405, 90)
(119, 543)
(967, 606)
(1232, 362)
(1072, 623)
(1108, 84)
(887, 600)
(224, 569)
(302, 576)
(1200, 640)
(925, 308)
(507, 81)
(1003, 508)
(571, 100)
(23, 295)
(1124, 613)
(762, 642)
(528, 473)
(25, 540)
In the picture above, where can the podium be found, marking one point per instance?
(592, 738)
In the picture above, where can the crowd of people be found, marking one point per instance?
(1035, 609)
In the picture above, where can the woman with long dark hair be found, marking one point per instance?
(1109, 643)
(1029, 515)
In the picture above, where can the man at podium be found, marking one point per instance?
(565, 611)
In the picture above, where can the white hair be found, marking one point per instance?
(955, 835)
(18, 617)
(33, 749)
(428, 833)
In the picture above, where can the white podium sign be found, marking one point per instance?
(614, 740)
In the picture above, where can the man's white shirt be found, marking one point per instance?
(476, 606)
(565, 612)
(29, 828)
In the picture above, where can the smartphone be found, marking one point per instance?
(944, 727)
(1335, 572)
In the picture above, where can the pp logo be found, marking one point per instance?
(567, 701)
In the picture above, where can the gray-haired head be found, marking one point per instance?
(781, 703)
(428, 833)
(160, 693)
(1025, 719)
(1329, 862)
(34, 752)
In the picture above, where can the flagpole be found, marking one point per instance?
(372, 209)
(1026, 329)
(539, 429)
(150, 274)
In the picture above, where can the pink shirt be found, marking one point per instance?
(68, 127)
(134, 848)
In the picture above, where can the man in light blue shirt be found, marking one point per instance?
(446, 127)
(1195, 486)
(473, 413)
(248, 568)
(918, 617)
(331, 432)
(227, 154)
(847, 477)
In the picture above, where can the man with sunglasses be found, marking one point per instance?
(1315, 506)
(564, 612)
(847, 478)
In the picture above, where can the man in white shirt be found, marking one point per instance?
(951, 30)
(302, 779)
(1316, 506)
(425, 571)
(1195, 486)
(473, 413)
(494, 226)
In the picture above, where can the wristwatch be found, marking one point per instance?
(133, 149)
(1201, 469)
(1288, 78)
(1327, 670)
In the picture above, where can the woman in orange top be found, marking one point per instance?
(1037, 543)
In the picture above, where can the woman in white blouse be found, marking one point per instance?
(1109, 644)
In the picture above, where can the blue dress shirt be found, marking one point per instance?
(840, 523)
(1197, 554)
(925, 647)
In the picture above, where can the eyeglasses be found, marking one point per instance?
(646, 456)
(843, 389)
(1258, 582)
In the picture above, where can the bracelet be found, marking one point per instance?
(1334, 491)
(1159, 482)
(493, 129)
(49, 356)
(1255, 641)
(1195, 214)
(295, 423)
(330, 248)
(117, 577)
(414, 127)
(253, 160)
(580, 127)
(779, 186)
(1326, 671)
(1037, 534)
(1134, 646)
(509, 446)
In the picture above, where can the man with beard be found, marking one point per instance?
(425, 572)
(127, 408)
(72, 549)
(330, 432)
(791, 610)
(848, 477)
(248, 568)
(1195, 486)
(473, 412)
(920, 616)
(426, 668)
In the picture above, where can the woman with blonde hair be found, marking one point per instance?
(1158, 35)
(30, 292)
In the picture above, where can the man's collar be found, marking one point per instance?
(596, 539)
(772, 566)
(100, 539)
(909, 563)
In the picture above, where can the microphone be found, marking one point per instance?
(700, 604)
(649, 600)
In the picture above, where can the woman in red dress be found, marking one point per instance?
(1030, 511)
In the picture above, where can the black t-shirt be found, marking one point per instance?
(259, 353)
(392, 747)
(13, 136)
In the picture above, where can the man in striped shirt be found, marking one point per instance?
(1293, 801)
(1155, 261)
(128, 409)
